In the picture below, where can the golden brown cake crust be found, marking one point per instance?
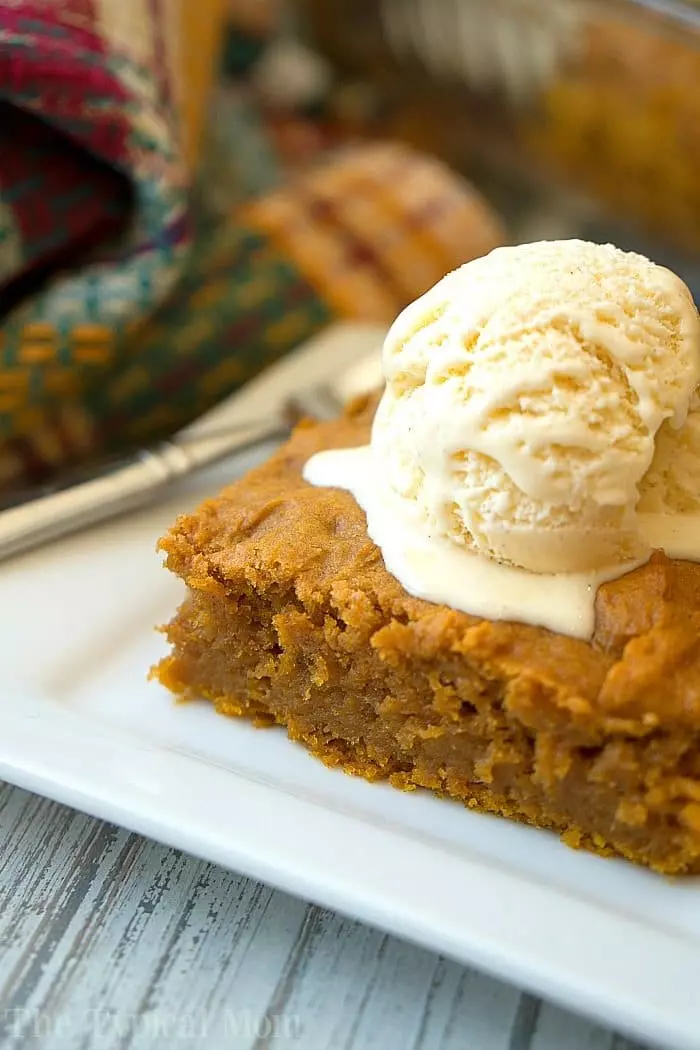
(292, 618)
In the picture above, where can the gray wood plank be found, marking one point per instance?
(111, 942)
(557, 1028)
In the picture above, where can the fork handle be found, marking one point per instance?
(135, 484)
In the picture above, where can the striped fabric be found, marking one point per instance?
(376, 227)
(122, 315)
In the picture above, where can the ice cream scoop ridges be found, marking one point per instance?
(525, 392)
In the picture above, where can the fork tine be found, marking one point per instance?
(319, 402)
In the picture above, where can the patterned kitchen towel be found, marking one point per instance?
(121, 315)
(97, 132)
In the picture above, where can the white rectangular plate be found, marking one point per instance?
(79, 722)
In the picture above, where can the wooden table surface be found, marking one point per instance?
(109, 941)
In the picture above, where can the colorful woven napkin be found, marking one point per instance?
(122, 314)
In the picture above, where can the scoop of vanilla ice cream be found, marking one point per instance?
(525, 393)
(672, 483)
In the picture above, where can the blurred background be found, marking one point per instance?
(573, 117)
(189, 190)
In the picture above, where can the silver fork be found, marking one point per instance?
(131, 482)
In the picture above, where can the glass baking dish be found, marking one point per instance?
(598, 97)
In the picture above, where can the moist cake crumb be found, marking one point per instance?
(291, 618)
